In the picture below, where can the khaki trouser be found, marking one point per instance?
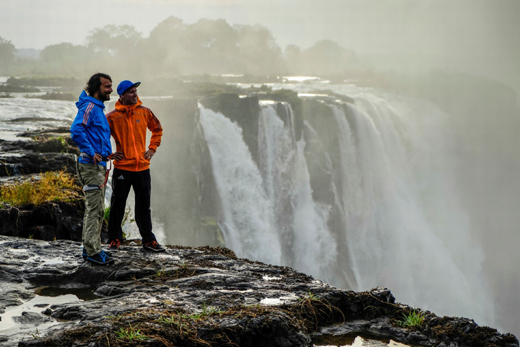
(94, 206)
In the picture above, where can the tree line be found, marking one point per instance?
(176, 48)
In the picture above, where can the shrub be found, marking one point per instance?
(53, 186)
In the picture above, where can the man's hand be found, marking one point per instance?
(118, 156)
(149, 154)
(97, 158)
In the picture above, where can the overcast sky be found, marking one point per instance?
(451, 34)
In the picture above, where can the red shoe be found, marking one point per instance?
(114, 245)
(153, 246)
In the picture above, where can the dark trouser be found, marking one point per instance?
(121, 182)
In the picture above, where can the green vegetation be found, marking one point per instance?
(176, 321)
(51, 186)
(162, 273)
(62, 140)
(209, 311)
(106, 215)
(131, 333)
(312, 296)
(213, 49)
(7, 50)
(169, 326)
(36, 335)
(182, 271)
(412, 319)
(53, 144)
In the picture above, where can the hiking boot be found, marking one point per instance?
(85, 254)
(100, 259)
(114, 245)
(153, 246)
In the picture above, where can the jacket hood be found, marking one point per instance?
(120, 107)
(85, 99)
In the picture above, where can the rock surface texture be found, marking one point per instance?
(198, 297)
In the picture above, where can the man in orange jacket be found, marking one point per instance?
(128, 124)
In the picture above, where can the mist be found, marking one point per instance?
(463, 56)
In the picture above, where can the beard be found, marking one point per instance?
(103, 97)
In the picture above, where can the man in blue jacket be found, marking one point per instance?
(91, 133)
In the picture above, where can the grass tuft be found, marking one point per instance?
(412, 319)
(53, 186)
(130, 333)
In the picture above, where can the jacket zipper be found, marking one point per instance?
(133, 137)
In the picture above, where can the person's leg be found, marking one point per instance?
(121, 183)
(90, 174)
(143, 216)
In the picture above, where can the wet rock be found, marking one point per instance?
(47, 221)
(205, 294)
(31, 318)
(244, 111)
(48, 150)
(35, 163)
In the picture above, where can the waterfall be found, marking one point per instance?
(248, 214)
(269, 213)
(302, 224)
(405, 229)
(395, 219)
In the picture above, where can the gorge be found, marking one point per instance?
(357, 188)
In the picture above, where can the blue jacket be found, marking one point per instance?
(90, 130)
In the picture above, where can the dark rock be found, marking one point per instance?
(55, 145)
(32, 163)
(244, 111)
(209, 291)
(47, 221)
(383, 294)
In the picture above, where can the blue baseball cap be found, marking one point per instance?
(125, 85)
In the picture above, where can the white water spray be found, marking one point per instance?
(302, 224)
(248, 214)
(269, 213)
(404, 228)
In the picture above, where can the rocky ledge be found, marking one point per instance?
(198, 297)
(47, 150)
(25, 161)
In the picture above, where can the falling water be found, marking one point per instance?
(404, 228)
(269, 213)
(301, 222)
(393, 185)
(248, 213)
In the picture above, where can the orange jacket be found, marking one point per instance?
(128, 124)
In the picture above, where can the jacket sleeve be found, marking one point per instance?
(78, 133)
(155, 127)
